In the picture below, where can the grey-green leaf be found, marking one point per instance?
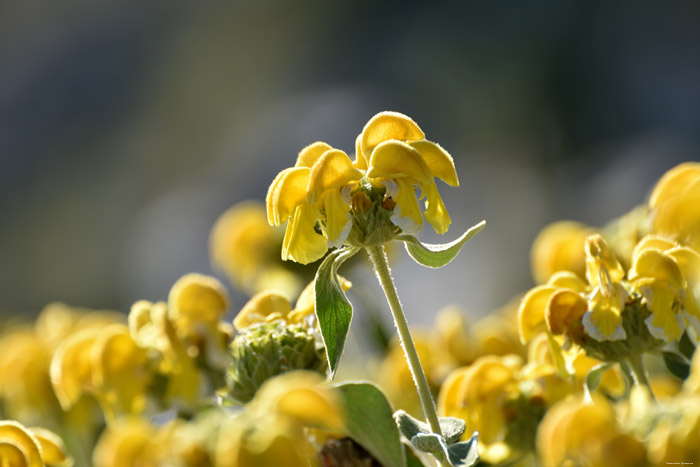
(370, 423)
(594, 377)
(452, 428)
(333, 309)
(465, 454)
(437, 256)
(408, 425)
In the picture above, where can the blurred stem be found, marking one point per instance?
(638, 373)
(381, 267)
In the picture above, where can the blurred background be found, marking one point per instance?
(127, 128)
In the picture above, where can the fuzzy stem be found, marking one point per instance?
(381, 267)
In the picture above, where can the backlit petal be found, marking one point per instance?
(674, 182)
(567, 280)
(310, 154)
(338, 221)
(435, 210)
(394, 159)
(14, 435)
(653, 263)
(262, 307)
(386, 126)
(71, 369)
(564, 309)
(406, 213)
(286, 192)
(531, 313)
(301, 241)
(361, 161)
(438, 160)
(332, 170)
(664, 321)
(604, 319)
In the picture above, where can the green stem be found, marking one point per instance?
(381, 267)
(639, 373)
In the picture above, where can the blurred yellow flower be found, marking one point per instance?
(674, 204)
(30, 447)
(559, 247)
(587, 435)
(196, 306)
(327, 188)
(478, 394)
(272, 429)
(106, 364)
(244, 245)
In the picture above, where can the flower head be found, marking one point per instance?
(326, 195)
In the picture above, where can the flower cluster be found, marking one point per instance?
(330, 199)
(595, 365)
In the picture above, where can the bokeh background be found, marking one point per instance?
(127, 128)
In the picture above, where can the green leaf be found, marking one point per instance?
(686, 346)
(370, 423)
(593, 378)
(437, 256)
(452, 428)
(333, 309)
(465, 454)
(677, 364)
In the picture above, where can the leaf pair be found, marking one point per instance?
(446, 448)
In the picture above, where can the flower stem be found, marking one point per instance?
(639, 373)
(381, 267)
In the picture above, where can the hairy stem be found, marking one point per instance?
(381, 267)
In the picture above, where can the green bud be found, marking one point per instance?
(270, 349)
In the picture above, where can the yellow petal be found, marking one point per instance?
(602, 265)
(564, 309)
(531, 313)
(652, 241)
(604, 320)
(674, 182)
(14, 435)
(394, 159)
(663, 322)
(558, 247)
(688, 261)
(263, 307)
(311, 153)
(123, 443)
(120, 373)
(567, 280)
(194, 301)
(71, 368)
(301, 242)
(450, 401)
(435, 210)
(360, 158)
(307, 301)
(406, 213)
(655, 264)
(439, 161)
(286, 192)
(53, 450)
(338, 221)
(386, 126)
(332, 170)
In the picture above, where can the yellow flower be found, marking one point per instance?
(272, 429)
(326, 188)
(30, 447)
(576, 433)
(128, 441)
(478, 395)
(674, 204)
(272, 305)
(244, 245)
(559, 247)
(665, 274)
(107, 364)
(196, 306)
